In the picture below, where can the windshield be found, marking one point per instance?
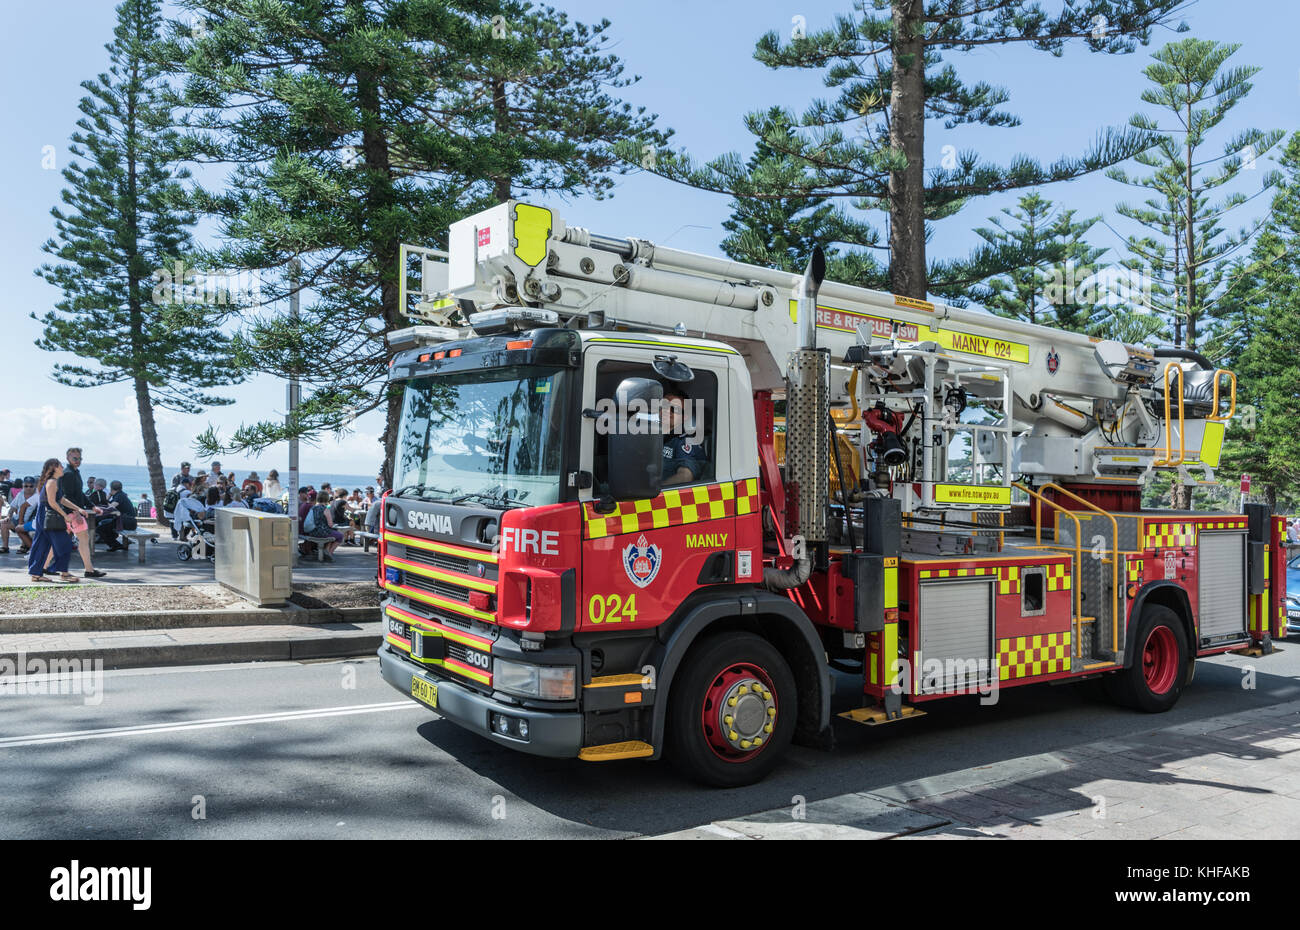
(492, 435)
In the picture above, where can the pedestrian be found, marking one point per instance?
(188, 504)
(53, 542)
(253, 482)
(105, 525)
(119, 515)
(73, 493)
(216, 470)
(321, 526)
(185, 473)
(340, 518)
(7, 485)
(22, 510)
(272, 488)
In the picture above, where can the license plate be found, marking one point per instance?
(424, 692)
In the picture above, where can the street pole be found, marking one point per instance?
(295, 397)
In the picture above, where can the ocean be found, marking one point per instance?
(135, 478)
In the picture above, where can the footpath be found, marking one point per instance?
(1236, 776)
(169, 612)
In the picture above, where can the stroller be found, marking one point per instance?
(198, 537)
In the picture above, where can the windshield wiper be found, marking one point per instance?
(424, 491)
(490, 498)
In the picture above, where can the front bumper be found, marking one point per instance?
(558, 735)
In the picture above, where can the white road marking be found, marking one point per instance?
(147, 729)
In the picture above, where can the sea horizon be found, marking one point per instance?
(135, 478)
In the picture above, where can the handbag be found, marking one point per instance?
(54, 522)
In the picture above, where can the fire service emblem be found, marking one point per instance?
(641, 561)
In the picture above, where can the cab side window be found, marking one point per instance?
(687, 449)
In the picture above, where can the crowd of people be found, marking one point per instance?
(58, 512)
(323, 513)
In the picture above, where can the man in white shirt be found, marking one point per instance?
(21, 510)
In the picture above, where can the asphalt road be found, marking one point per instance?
(327, 750)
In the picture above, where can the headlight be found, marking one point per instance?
(547, 682)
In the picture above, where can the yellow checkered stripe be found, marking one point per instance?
(674, 507)
(957, 572)
(1169, 535)
(1029, 656)
(1059, 577)
(1134, 568)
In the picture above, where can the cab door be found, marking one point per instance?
(643, 557)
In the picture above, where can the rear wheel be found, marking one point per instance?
(1159, 669)
(732, 710)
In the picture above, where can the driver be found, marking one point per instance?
(684, 457)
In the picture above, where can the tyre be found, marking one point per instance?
(183, 553)
(1159, 670)
(732, 711)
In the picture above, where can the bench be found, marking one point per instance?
(366, 539)
(142, 538)
(318, 542)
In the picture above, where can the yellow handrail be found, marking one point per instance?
(1078, 543)
(1114, 561)
(850, 417)
(1232, 400)
(1169, 436)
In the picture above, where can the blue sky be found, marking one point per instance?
(699, 75)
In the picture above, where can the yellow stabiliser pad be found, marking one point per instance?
(874, 716)
(632, 749)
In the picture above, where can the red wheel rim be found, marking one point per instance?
(1160, 660)
(739, 712)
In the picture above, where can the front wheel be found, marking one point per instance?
(732, 711)
(183, 553)
(1155, 678)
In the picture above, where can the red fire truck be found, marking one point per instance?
(645, 499)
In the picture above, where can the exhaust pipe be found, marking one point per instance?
(806, 310)
(807, 418)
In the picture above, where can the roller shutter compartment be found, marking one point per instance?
(1221, 590)
(956, 629)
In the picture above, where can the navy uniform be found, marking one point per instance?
(682, 452)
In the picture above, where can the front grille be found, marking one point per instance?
(451, 563)
(441, 589)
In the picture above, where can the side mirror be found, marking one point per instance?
(636, 445)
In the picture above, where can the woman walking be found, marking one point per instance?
(52, 511)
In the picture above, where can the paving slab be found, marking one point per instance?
(1225, 777)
